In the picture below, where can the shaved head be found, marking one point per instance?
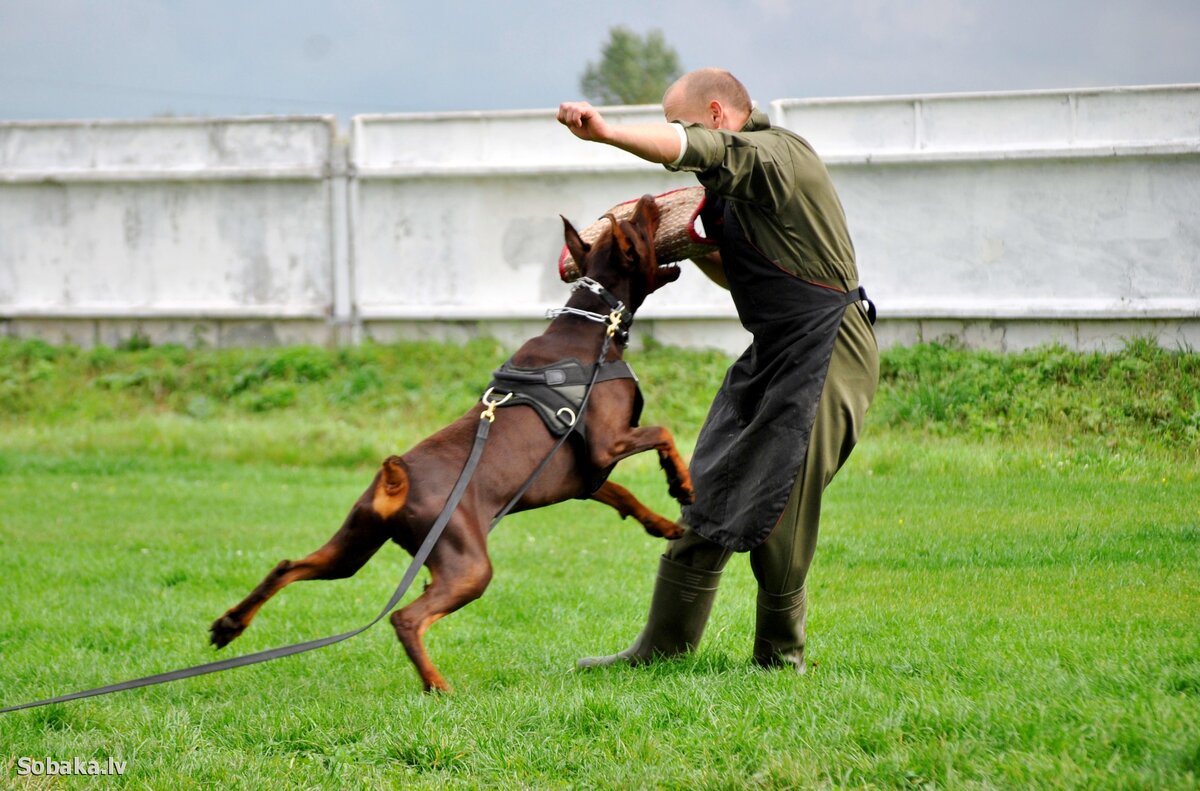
(704, 85)
(695, 96)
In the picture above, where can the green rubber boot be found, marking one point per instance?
(779, 630)
(683, 598)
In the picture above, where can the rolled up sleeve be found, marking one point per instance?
(732, 165)
(702, 149)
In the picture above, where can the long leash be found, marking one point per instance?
(464, 478)
(275, 653)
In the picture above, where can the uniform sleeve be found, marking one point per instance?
(741, 166)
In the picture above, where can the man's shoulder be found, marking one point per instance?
(786, 137)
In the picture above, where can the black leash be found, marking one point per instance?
(422, 554)
(275, 653)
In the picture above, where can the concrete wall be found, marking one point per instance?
(1008, 220)
(221, 230)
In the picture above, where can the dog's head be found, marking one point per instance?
(624, 253)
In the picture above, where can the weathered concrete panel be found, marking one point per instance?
(488, 246)
(1028, 238)
(1014, 206)
(182, 247)
(178, 219)
(507, 141)
(118, 149)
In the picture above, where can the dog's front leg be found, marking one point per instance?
(637, 440)
(623, 500)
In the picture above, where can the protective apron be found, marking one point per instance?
(755, 438)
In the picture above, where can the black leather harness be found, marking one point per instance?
(556, 391)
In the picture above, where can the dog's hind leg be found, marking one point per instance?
(623, 500)
(359, 538)
(460, 573)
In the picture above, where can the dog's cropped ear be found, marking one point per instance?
(575, 244)
(647, 214)
(633, 243)
(635, 236)
(625, 237)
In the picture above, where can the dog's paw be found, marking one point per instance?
(683, 494)
(676, 531)
(224, 630)
(663, 528)
(439, 687)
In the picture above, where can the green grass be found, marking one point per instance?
(1006, 593)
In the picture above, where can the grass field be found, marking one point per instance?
(1006, 594)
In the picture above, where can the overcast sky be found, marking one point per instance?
(138, 58)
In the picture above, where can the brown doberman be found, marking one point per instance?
(409, 491)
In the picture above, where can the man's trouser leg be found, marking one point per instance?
(780, 563)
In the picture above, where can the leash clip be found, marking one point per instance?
(489, 414)
(614, 322)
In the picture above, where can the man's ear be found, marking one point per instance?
(575, 244)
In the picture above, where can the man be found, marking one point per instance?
(791, 408)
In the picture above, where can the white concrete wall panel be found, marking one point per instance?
(165, 247)
(457, 215)
(122, 149)
(1112, 121)
(180, 218)
(1047, 238)
(488, 246)
(502, 141)
(1045, 204)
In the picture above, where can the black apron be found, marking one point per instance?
(755, 439)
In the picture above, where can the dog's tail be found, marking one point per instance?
(391, 487)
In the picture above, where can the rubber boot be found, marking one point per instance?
(779, 630)
(683, 598)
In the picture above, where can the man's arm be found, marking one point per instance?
(659, 143)
(713, 269)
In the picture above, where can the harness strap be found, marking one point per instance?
(435, 532)
(563, 372)
(555, 392)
